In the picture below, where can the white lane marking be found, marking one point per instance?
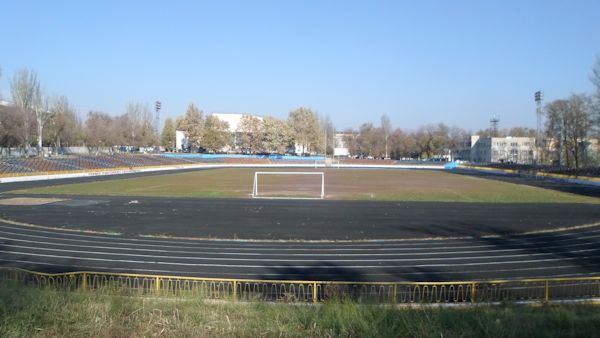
(401, 248)
(471, 258)
(299, 266)
(254, 274)
(275, 243)
(494, 250)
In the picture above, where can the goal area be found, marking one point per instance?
(289, 185)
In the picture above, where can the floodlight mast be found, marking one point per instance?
(538, 96)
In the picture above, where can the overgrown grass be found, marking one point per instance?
(26, 311)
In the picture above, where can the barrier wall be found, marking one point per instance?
(536, 290)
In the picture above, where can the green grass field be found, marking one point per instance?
(31, 312)
(389, 185)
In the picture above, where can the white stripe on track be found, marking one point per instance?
(493, 249)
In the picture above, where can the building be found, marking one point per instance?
(519, 150)
(340, 148)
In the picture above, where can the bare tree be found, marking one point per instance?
(26, 93)
(567, 125)
(64, 127)
(100, 130)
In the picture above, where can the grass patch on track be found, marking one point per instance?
(376, 185)
(27, 311)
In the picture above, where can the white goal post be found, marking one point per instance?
(255, 191)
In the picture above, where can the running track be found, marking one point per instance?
(491, 251)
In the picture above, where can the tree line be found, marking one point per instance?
(39, 120)
(303, 127)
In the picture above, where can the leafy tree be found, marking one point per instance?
(250, 134)
(192, 125)
(306, 132)
(167, 138)
(277, 136)
(216, 134)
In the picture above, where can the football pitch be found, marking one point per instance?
(340, 184)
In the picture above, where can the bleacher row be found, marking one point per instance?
(84, 162)
(12, 166)
(527, 168)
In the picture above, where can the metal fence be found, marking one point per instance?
(315, 291)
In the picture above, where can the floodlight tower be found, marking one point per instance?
(538, 96)
(494, 125)
(157, 107)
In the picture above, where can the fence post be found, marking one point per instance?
(473, 292)
(157, 282)
(546, 292)
(395, 295)
(84, 281)
(315, 296)
(235, 291)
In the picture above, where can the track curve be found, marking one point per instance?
(347, 241)
(565, 253)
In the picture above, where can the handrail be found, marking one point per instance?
(311, 291)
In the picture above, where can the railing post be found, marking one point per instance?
(315, 296)
(395, 295)
(234, 291)
(473, 292)
(546, 292)
(157, 282)
(84, 281)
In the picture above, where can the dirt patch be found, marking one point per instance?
(29, 201)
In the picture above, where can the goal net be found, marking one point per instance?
(289, 185)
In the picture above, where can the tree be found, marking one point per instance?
(167, 138)
(250, 134)
(306, 132)
(99, 130)
(216, 134)
(329, 129)
(64, 127)
(568, 124)
(192, 125)
(386, 128)
(595, 78)
(137, 125)
(522, 132)
(11, 123)
(277, 136)
(26, 93)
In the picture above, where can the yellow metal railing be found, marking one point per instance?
(316, 291)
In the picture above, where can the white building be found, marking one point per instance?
(519, 150)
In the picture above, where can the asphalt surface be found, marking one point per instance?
(484, 241)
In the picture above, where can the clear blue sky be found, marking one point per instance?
(458, 62)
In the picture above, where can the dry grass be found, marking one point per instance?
(392, 185)
(27, 312)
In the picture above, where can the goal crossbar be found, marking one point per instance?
(257, 173)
